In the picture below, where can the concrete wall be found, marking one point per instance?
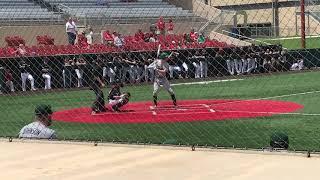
(29, 33)
(287, 20)
(185, 4)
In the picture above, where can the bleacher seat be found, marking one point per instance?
(118, 9)
(15, 10)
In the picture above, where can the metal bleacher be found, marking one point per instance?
(13, 12)
(115, 9)
(25, 12)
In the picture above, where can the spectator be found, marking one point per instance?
(170, 26)
(82, 40)
(139, 36)
(201, 38)
(107, 37)
(71, 30)
(152, 38)
(153, 29)
(117, 40)
(21, 51)
(186, 39)
(9, 79)
(172, 45)
(161, 26)
(193, 36)
(39, 129)
(89, 35)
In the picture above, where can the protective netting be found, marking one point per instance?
(210, 73)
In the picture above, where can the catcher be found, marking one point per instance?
(161, 68)
(116, 98)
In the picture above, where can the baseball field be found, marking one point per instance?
(298, 91)
(291, 43)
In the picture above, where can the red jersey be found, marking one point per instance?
(139, 36)
(161, 24)
(107, 36)
(193, 36)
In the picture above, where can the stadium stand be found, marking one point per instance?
(118, 9)
(14, 11)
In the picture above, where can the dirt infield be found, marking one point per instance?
(187, 111)
(50, 161)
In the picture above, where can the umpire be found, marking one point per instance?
(96, 84)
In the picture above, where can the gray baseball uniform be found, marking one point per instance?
(160, 78)
(37, 130)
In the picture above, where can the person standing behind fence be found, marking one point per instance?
(67, 73)
(108, 69)
(238, 62)
(89, 35)
(25, 74)
(8, 79)
(129, 67)
(39, 128)
(196, 63)
(46, 75)
(71, 30)
(149, 73)
(203, 64)
(251, 60)
(79, 66)
(230, 62)
(141, 73)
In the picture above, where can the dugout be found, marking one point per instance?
(215, 57)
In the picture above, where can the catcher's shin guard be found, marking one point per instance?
(119, 105)
(155, 99)
(174, 100)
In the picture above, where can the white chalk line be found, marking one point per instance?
(210, 109)
(206, 82)
(183, 108)
(288, 95)
(265, 98)
(276, 113)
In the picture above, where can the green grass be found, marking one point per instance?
(294, 43)
(303, 131)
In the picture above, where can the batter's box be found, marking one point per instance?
(184, 109)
